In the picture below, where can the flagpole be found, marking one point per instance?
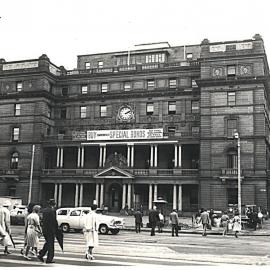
(31, 174)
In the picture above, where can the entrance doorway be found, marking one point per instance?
(115, 197)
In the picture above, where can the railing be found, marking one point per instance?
(229, 171)
(10, 172)
(192, 63)
(136, 172)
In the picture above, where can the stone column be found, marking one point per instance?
(62, 157)
(180, 156)
(129, 196)
(124, 196)
(128, 155)
(180, 205)
(151, 156)
(101, 194)
(58, 157)
(76, 195)
(81, 195)
(174, 197)
(155, 192)
(55, 192)
(97, 194)
(156, 156)
(79, 158)
(132, 156)
(100, 155)
(82, 157)
(104, 156)
(175, 156)
(150, 196)
(60, 196)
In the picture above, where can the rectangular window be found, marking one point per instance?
(104, 87)
(100, 64)
(150, 84)
(231, 98)
(195, 130)
(17, 109)
(155, 58)
(127, 86)
(231, 71)
(64, 91)
(83, 112)
(87, 65)
(189, 56)
(15, 134)
(49, 111)
(172, 83)
(103, 110)
(171, 107)
(195, 107)
(63, 113)
(19, 86)
(149, 108)
(231, 127)
(84, 89)
(171, 129)
(193, 83)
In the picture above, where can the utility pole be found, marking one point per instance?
(236, 136)
(31, 174)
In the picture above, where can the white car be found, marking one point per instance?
(72, 218)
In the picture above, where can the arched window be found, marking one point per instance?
(232, 158)
(14, 161)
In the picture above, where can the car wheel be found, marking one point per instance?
(103, 229)
(114, 231)
(65, 227)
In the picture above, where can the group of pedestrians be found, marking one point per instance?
(34, 229)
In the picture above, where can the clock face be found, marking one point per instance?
(125, 113)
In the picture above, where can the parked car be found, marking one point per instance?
(72, 218)
(17, 215)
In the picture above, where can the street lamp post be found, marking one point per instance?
(236, 136)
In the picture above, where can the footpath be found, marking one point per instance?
(188, 228)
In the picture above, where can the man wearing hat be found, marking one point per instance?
(49, 229)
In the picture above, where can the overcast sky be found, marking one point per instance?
(63, 29)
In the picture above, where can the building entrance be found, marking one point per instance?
(115, 197)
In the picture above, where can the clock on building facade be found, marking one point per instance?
(125, 113)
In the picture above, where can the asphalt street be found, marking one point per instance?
(131, 249)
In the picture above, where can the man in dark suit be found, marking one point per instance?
(138, 221)
(153, 219)
(49, 229)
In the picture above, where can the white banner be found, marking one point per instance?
(126, 134)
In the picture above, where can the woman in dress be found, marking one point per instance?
(33, 231)
(236, 224)
(90, 230)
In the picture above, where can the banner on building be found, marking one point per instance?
(126, 134)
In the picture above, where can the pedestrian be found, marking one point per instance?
(224, 222)
(138, 220)
(90, 230)
(161, 222)
(205, 220)
(236, 224)
(5, 228)
(29, 211)
(33, 231)
(174, 221)
(153, 219)
(260, 219)
(49, 229)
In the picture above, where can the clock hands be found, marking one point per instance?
(127, 112)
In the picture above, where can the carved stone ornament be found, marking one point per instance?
(217, 71)
(116, 160)
(245, 70)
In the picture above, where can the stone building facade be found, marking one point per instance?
(126, 128)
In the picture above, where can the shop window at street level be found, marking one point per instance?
(15, 134)
(231, 71)
(17, 109)
(171, 107)
(19, 86)
(14, 161)
(150, 108)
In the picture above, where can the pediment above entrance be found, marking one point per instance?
(114, 172)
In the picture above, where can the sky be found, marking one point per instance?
(63, 29)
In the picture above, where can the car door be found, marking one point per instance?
(74, 219)
(83, 213)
